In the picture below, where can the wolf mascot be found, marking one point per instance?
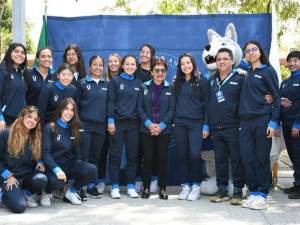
(216, 42)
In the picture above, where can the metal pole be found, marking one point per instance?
(18, 26)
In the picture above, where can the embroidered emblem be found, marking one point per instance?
(122, 86)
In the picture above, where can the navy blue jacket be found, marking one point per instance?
(166, 110)
(18, 166)
(257, 84)
(92, 103)
(191, 104)
(52, 95)
(58, 147)
(225, 114)
(123, 92)
(12, 92)
(142, 74)
(36, 83)
(290, 89)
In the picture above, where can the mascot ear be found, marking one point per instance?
(211, 34)
(230, 32)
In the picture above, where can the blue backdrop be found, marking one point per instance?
(170, 35)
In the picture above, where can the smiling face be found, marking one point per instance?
(30, 120)
(45, 58)
(252, 53)
(96, 67)
(224, 62)
(186, 66)
(65, 77)
(145, 54)
(294, 64)
(113, 63)
(68, 113)
(159, 73)
(72, 57)
(129, 65)
(18, 56)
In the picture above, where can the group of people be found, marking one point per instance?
(58, 128)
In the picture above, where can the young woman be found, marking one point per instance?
(40, 76)
(93, 113)
(258, 121)
(290, 118)
(61, 152)
(13, 77)
(123, 125)
(147, 53)
(20, 166)
(53, 94)
(156, 109)
(73, 56)
(114, 65)
(190, 124)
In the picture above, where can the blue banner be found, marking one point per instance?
(170, 35)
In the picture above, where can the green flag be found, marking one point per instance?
(43, 41)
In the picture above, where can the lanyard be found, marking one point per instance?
(226, 79)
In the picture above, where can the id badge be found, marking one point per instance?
(220, 97)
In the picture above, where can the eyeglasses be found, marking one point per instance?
(251, 50)
(157, 70)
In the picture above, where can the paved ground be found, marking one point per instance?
(155, 211)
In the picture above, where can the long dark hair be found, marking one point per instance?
(196, 75)
(8, 63)
(263, 58)
(74, 123)
(80, 65)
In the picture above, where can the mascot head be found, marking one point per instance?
(216, 42)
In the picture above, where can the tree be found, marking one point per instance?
(6, 28)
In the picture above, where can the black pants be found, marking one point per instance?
(14, 199)
(189, 145)
(81, 172)
(255, 150)
(155, 152)
(226, 146)
(293, 148)
(126, 132)
(91, 145)
(102, 168)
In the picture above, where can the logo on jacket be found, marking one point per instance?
(88, 87)
(58, 137)
(145, 91)
(12, 76)
(55, 98)
(122, 86)
(34, 78)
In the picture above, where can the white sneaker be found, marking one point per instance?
(185, 192)
(30, 199)
(73, 197)
(195, 193)
(259, 203)
(138, 186)
(115, 193)
(153, 186)
(100, 187)
(132, 193)
(45, 199)
(247, 202)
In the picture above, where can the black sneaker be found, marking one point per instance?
(82, 195)
(145, 193)
(288, 190)
(93, 193)
(220, 196)
(237, 198)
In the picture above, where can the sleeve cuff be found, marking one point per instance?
(162, 125)
(1, 117)
(273, 125)
(205, 128)
(110, 121)
(5, 174)
(296, 126)
(56, 169)
(147, 123)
